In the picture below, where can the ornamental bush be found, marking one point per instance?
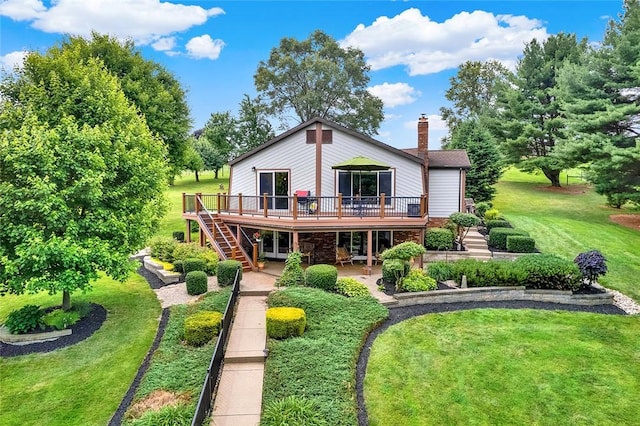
(404, 251)
(482, 207)
(440, 271)
(162, 248)
(193, 264)
(439, 239)
(487, 274)
(292, 274)
(178, 266)
(497, 223)
(492, 214)
(351, 287)
(394, 269)
(321, 276)
(284, 322)
(520, 244)
(547, 271)
(201, 327)
(178, 236)
(227, 272)
(463, 222)
(417, 280)
(498, 237)
(60, 319)
(196, 282)
(185, 251)
(592, 264)
(25, 319)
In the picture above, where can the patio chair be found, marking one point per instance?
(343, 255)
(378, 256)
(306, 249)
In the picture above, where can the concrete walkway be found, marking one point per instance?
(477, 245)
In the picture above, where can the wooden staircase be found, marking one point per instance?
(226, 244)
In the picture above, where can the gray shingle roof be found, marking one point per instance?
(445, 158)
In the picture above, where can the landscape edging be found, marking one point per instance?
(492, 294)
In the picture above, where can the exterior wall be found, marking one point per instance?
(402, 236)
(444, 192)
(295, 155)
(325, 246)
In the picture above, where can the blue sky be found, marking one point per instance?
(214, 47)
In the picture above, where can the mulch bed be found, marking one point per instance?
(80, 331)
(390, 288)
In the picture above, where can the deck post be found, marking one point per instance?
(233, 252)
(188, 233)
(381, 207)
(218, 199)
(295, 206)
(255, 253)
(423, 207)
(339, 205)
(240, 204)
(184, 202)
(198, 197)
(264, 204)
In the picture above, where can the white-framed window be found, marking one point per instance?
(366, 186)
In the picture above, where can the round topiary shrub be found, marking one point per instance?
(178, 236)
(227, 272)
(285, 322)
(196, 282)
(439, 239)
(201, 327)
(321, 276)
(351, 287)
(193, 264)
(417, 280)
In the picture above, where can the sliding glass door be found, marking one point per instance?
(365, 186)
(276, 186)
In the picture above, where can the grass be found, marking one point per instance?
(320, 365)
(508, 367)
(82, 384)
(176, 367)
(186, 183)
(568, 224)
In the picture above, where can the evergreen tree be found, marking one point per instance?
(602, 99)
(484, 156)
(530, 121)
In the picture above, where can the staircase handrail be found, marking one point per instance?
(208, 231)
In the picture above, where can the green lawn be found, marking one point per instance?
(82, 384)
(507, 367)
(567, 224)
(186, 183)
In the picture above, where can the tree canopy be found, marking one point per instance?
(602, 100)
(530, 121)
(81, 176)
(253, 127)
(147, 84)
(318, 78)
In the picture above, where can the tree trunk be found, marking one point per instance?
(553, 176)
(216, 172)
(66, 300)
(197, 177)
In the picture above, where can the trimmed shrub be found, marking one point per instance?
(497, 223)
(196, 282)
(227, 272)
(351, 287)
(404, 251)
(178, 266)
(520, 244)
(498, 237)
(60, 319)
(546, 271)
(184, 251)
(592, 264)
(393, 270)
(292, 275)
(417, 280)
(439, 239)
(482, 207)
(492, 214)
(487, 274)
(25, 319)
(193, 264)
(162, 248)
(285, 322)
(440, 271)
(178, 236)
(201, 327)
(321, 276)
(292, 410)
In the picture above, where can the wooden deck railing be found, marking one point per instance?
(296, 207)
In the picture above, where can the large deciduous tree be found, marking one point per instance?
(318, 78)
(147, 84)
(253, 127)
(486, 165)
(218, 141)
(473, 91)
(602, 99)
(531, 122)
(81, 176)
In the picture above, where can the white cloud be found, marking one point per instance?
(21, 10)
(204, 47)
(12, 59)
(146, 21)
(395, 94)
(164, 44)
(426, 47)
(435, 123)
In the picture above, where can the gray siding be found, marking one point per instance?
(444, 192)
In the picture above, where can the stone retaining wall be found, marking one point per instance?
(434, 255)
(490, 294)
(167, 277)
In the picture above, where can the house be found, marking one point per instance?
(320, 186)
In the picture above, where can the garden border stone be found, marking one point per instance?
(167, 277)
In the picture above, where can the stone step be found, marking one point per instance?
(244, 356)
(255, 292)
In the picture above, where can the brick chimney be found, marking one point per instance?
(423, 149)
